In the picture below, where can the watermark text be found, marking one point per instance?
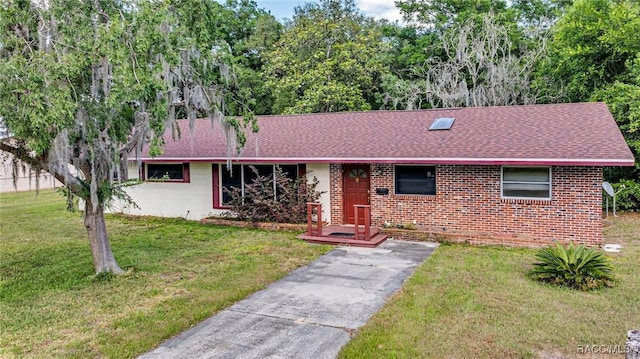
(604, 349)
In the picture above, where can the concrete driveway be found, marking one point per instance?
(309, 313)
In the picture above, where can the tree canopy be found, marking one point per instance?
(592, 45)
(481, 66)
(439, 15)
(87, 83)
(328, 59)
(595, 57)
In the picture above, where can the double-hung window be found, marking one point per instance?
(420, 180)
(526, 182)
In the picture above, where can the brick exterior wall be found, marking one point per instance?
(335, 174)
(468, 207)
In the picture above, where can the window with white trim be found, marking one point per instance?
(240, 175)
(419, 180)
(526, 182)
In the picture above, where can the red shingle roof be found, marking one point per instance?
(556, 134)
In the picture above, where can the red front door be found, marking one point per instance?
(355, 179)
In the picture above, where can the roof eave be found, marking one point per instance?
(599, 162)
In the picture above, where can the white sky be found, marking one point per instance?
(380, 9)
(377, 8)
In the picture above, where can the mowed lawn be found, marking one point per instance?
(179, 273)
(463, 302)
(478, 302)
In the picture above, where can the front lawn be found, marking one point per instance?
(463, 302)
(477, 302)
(179, 273)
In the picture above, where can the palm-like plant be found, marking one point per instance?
(575, 267)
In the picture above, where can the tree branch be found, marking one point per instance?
(21, 152)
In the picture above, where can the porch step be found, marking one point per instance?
(345, 235)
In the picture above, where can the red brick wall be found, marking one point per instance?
(467, 206)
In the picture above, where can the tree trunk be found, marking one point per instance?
(103, 260)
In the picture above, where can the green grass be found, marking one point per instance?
(178, 273)
(479, 302)
(463, 302)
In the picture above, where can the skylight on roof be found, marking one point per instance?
(442, 123)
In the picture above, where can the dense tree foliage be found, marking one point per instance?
(439, 15)
(480, 66)
(86, 83)
(250, 33)
(592, 45)
(596, 57)
(328, 59)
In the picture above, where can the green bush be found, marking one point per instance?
(576, 267)
(628, 199)
(284, 201)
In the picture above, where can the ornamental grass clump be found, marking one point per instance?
(576, 267)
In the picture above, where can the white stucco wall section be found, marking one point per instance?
(321, 172)
(193, 200)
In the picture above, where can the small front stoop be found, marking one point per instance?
(356, 235)
(346, 236)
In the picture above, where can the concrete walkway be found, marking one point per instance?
(307, 314)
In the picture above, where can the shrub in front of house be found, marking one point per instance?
(576, 267)
(274, 198)
(628, 197)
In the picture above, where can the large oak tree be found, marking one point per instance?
(87, 83)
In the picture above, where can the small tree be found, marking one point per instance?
(280, 199)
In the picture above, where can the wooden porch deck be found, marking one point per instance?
(346, 236)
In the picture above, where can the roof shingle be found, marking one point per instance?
(555, 134)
